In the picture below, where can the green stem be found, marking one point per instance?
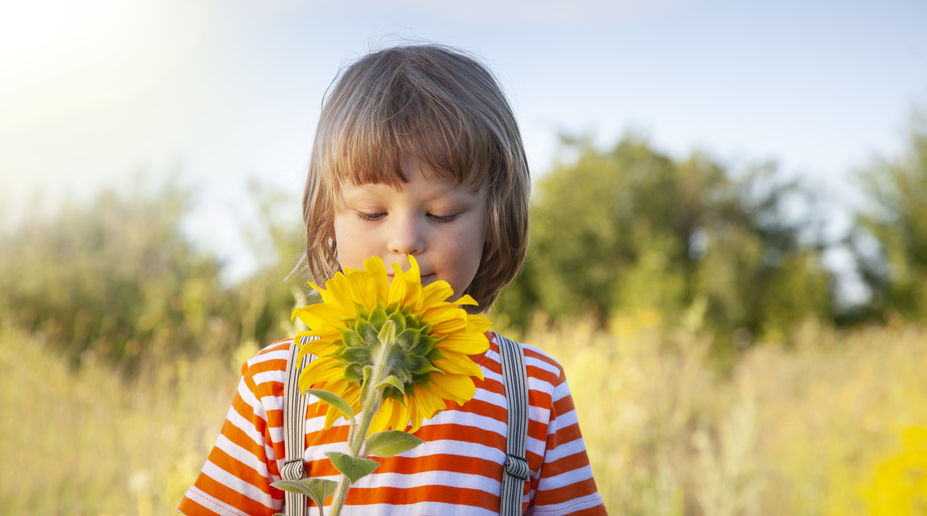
(372, 398)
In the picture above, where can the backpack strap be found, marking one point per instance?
(294, 424)
(516, 394)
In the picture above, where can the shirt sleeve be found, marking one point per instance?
(242, 464)
(565, 484)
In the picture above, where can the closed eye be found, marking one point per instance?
(442, 219)
(371, 216)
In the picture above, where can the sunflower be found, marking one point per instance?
(422, 362)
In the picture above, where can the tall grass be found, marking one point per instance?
(91, 441)
(798, 429)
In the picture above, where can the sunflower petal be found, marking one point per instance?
(459, 367)
(453, 387)
(436, 293)
(466, 300)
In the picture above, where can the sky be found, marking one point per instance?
(100, 93)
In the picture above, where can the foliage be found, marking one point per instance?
(117, 278)
(114, 277)
(896, 219)
(631, 228)
(266, 298)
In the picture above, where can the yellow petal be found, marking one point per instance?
(464, 343)
(398, 288)
(375, 265)
(448, 326)
(331, 416)
(466, 300)
(478, 323)
(427, 402)
(381, 419)
(323, 315)
(436, 292)
(318, 347)
(443, 311)
(453, 387)
(414, 273)
(463, 366)
(405, 290)
(321, 371)
(378, 283)
(400, 416)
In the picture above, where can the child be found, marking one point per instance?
(417, 153)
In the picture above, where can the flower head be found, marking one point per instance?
(423, 340)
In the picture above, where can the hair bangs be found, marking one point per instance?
(410, 116)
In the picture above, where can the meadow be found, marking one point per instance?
(829, 422)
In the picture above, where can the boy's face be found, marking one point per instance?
(442, 225)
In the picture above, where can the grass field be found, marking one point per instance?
(833, 423)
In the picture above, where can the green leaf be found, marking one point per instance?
(377, 316)
(316, 488)
(399, 319)
(390, 442)
(387, 335)
(351, 339)
(333, 400)
(392, 381)
(354, 468)
(368, 373)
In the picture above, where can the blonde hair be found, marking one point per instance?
(446, 109)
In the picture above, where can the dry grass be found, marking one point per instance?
(88, 442)
(799, 431)
(796, 432)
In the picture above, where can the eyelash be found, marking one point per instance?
(440, 219)
(370, 217)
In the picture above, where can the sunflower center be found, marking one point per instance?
(407, 360)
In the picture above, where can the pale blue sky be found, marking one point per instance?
(225, 91)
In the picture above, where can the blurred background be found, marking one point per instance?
(729, 241)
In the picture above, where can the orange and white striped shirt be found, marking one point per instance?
(457, 470)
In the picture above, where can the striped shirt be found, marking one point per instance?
(457, 470)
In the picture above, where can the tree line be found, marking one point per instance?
(615, 229)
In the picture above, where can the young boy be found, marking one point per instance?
(417, 152)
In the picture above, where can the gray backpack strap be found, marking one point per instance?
(516, 394)
(294, 424)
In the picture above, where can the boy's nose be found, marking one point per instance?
(406, 237)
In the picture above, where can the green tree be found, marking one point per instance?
(631, 228)
(891, 246)
(269, 295)
(115, 277)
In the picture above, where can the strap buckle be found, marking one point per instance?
(293, 470)
(517, 466)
